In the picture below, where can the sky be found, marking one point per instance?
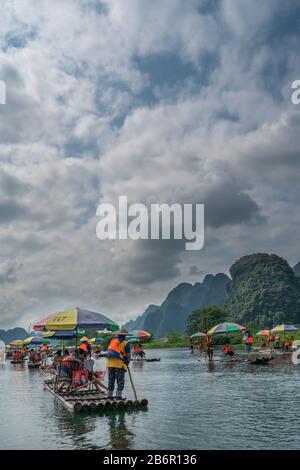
(168, 101)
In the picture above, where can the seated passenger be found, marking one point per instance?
(228, 350)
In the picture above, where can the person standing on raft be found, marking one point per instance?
(118, 357)
(248, 342)
(209, 348)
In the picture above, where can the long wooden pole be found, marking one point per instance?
(131, 381)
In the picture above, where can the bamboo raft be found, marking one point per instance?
(33, 365)
(92, 400)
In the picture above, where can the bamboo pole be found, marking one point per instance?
(131, 381)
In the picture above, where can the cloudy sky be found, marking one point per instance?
(161, 100)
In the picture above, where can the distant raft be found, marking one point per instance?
(33, 365)
(93, 400)
(261, 360)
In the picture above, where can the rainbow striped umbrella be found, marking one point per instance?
(16, 342)
(33, 340)
(283, 329)
(139, 334)
(263, 333)
(225, 328)
(198, 335)
(97, 339)
(74, 319)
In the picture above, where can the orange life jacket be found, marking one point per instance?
(113, 350)
(249, 340)
(84, 347)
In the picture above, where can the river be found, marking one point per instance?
(191, 406)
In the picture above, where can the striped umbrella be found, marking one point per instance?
(283, 329)
(225, 328)
(139, 335)
(74, 319)
(33, 340)
(263, 333)
(16, 342)
(67, 334)
(198, 335)
(97, 339)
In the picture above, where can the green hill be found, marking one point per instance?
(264, 291)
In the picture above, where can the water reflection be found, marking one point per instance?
(120, 436)
(190, 406)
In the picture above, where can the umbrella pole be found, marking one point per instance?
(131, 381)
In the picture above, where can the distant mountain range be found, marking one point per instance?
(297, 269)
(263, 290)
(179, 304)
(11, 335)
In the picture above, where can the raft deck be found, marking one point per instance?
(92, 400)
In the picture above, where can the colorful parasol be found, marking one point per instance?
(34, 340)
(225, 328)
(198, 335)
(284, 329)
(139, 335)
(263, 333)
(61, 334)
(16, 342)
(75, 318)
(97, 339)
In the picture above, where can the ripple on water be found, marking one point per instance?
(191, 406)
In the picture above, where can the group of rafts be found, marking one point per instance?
(77, 388)
(269, 341)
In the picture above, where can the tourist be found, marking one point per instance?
(228, 350)
(94, 377)
(118, 358)
(248, 342)
(141, 351)
(277, 341)
(263, 342)
(135, 352)
(209, 348)
(271, 342)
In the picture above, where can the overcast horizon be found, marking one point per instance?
(164, 101)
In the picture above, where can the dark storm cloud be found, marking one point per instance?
(11, 210)
(154, 260)
(228, 205)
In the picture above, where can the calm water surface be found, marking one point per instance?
(191, 406)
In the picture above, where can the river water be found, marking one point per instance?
(191, 406)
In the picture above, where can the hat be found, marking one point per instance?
(122, 332)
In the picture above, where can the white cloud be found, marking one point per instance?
(79, 128)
